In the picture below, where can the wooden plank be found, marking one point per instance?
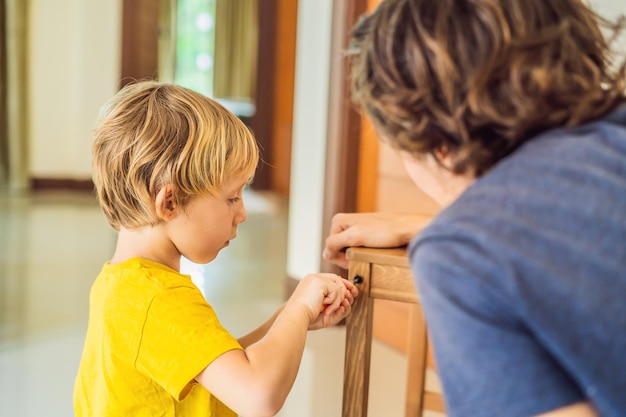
(358, 346)
(416, 375)
(434, 402)
(386, 256)
(393, 283)
(430, 358)
(389, 294)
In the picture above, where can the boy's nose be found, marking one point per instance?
(242, 216)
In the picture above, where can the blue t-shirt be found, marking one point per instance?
(523, 279)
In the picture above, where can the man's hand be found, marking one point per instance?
(375, 230)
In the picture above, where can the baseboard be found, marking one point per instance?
(61, 184)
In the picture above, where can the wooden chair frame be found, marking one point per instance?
(384, 274)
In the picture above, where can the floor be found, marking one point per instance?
(52, 245)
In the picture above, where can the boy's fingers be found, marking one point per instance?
(331, 304)
(348, 306)
(351, 287)
(348, 284)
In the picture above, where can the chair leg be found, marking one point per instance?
(416, 375)
(358, 346)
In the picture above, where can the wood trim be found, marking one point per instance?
(4, 137)
(367, 191)
(284, 95)
(388, 256)
(61, 184)
(140, 40)
(16, 65)
(263, 120)
(369, 158)
(344, 123)
(435, 402)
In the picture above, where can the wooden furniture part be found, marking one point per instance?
(385, 274)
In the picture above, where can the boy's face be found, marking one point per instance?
(209, 223)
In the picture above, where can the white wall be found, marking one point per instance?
(309, 137)
(611, 10)
(74, 67)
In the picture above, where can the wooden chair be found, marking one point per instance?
(385, 274)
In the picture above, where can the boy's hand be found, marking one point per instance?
(328, 298)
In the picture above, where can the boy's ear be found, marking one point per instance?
(165, 205)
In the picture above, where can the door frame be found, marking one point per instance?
(343, 144)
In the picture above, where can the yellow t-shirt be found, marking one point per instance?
(150, 333)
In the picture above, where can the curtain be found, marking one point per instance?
(235, 58)
(4, 149)
(13, 131)
(167, 40)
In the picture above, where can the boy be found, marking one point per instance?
(510, 114)
(169, 166)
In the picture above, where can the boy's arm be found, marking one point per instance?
(255, 381)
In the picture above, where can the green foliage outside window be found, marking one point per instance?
(195, 44)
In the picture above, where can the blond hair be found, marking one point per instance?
(480, 77)
(152, 134)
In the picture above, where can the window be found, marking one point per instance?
(195, 45)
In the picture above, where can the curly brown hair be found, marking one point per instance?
(477, 78)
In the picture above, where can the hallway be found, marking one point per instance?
(52, 246)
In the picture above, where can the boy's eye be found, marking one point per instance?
(233, 200)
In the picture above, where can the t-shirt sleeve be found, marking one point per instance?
(489, 361)
(181, 336)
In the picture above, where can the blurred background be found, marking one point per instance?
(277, 64)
